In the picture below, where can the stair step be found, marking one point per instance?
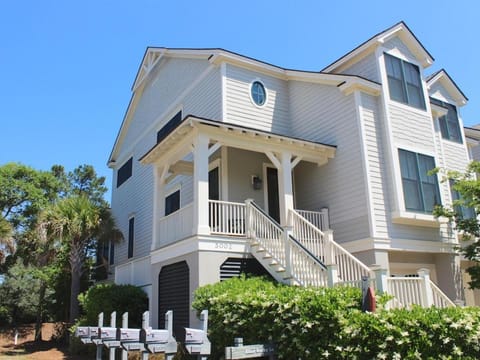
(281, 269)
(267, 256)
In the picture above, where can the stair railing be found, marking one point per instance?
(301, 266)
(322, 245)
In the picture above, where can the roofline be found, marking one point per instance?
(373, 41)
(436, 76)
(218, 123)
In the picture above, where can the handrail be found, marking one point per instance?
(227, 218)
(302, 265)
(439, 297)
(339, 256)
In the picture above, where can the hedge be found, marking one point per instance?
(327, 323)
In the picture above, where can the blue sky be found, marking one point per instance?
(67, 66)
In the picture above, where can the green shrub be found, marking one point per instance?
(315, 323)
(107, 298)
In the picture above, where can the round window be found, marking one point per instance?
(258, 93)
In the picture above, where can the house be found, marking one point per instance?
(224, 164)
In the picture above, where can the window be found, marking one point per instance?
(420, 190)
(172, 202)
(449, 125)
(169, 126)
(258, 93)
(131, 236)
(111, 258)
(125, 172)
(404, 82)
(465, 211)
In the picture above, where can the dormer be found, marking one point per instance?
(369, 47)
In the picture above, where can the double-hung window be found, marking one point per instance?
(420, 190)
(465, 211)
(404, 82)
(449, 124)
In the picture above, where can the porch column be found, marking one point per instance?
(285, 187)
(159, 174)
(200, 185)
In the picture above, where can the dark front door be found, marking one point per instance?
(174, 294)
(272, 193)
(213, 185)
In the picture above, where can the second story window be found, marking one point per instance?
(465, 211)
(404, 82)
(420, 190)
(125, 172)
(449, 124)
(172, 202)
(131, 236)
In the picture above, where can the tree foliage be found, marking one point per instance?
(467, 185)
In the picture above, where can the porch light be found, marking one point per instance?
(256, 182)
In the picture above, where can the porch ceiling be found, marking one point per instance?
(179, 142)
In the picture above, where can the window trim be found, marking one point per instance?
(257, 80)
(404, 83)
(419, 184)
(443, 121)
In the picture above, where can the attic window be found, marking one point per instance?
(404, 82)
(258, 93)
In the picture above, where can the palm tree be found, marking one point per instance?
(78, 223)
(7, 245)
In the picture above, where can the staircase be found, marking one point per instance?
(300, 254)
(304, 255)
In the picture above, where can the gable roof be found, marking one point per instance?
(448, 83)
(401, 30)
(153, 57)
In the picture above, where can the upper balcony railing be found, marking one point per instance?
(226, 218)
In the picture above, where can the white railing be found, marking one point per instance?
(407, 291)
(439, 297)
(350, 269)
(321, 244)
(318, 218)
(175, 226)
(305, 269)
(226, 218)
(266, 233)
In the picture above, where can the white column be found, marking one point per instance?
(200, 185)
(158, 202)
(285, 187)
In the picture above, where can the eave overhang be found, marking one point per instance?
(401, 30)
(227, 134)
(450, 85)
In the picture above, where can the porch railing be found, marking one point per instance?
(318, 218)
(175, 226)
(226, 218)
(321, 244)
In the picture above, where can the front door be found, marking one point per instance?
(272, 193)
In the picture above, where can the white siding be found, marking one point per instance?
(411, 128)
(163, 88)
(135, 196)
(437, 91)
(377, 172)
(322, 113)
(366, 67)
(273, 116)
(395, 46)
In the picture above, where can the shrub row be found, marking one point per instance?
(327, 323)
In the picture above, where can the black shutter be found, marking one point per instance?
(169, 126)
(131, 236)
(125, 172)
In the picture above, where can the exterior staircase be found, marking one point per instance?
(302, 254)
